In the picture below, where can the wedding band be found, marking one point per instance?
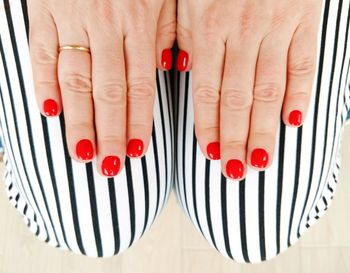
(75, 47)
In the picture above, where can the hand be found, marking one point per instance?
(250, 60)
(108, 95)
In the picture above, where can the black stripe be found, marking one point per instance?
(207, 200)
(242, 220)
(155, 150)
(280, 184)
(17, 137)
(160, 100)
(262, 215)
(53, 177)
(184, 140)
(27, 117)
(194, 181)
(318, 90)
(114, 213)
(93, 205)
(130, 184)
(69, 171)
(224, 215)
(146, 187)
(296, 181)
(335, 49)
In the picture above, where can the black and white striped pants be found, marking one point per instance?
(70, 206)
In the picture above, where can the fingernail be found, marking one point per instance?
(110, 165)
(182, 60)
(50, 108)
(135, 148)
(259, 158)
(235, 169)
(167, 59)
(295, 118)
(213, 150)
(85, 150)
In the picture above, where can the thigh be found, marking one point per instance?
(65, 203)
(260, 217)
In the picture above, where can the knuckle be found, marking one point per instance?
(110, 138)
(268, 92)
(141, 91)
(301, 96)
(43, 55)
(247, 20)
(236, 99)
(234, 144)
(206, 95)
(112, 92)
(76, 82)
(73, 125)
(302, 67)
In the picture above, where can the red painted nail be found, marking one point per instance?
(295, 118)
(167, 59)
(110, 165)
(85, 150)
(213, 150)
(50, 108)
(135, 148)
(259, 158)
(235, 169)
(182, 60)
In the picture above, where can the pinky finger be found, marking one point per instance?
(43, 45)
(300, 75)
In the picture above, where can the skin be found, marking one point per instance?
(252, 61)
(108, 95)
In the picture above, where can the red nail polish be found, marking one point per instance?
(295, 118)
(213, 150)
(235, 169)
(167, 59)
(85, 150)
(110, 165)
(50, 108)
(182, 60)
(259, 158)
(135, 148)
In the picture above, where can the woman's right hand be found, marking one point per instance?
(108, 94)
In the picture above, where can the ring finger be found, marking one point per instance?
(74, 73)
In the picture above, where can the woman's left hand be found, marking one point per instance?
(250, 59)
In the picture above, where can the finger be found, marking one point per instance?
(43, 45)
(300, 74)
(206, 81)
(268, 93)
(74, 74)
(109, 94)
(166, 34)
(141, 67)
(236, 102)
(184, 37)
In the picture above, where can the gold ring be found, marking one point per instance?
(75, 47)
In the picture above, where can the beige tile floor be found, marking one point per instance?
(174, 246)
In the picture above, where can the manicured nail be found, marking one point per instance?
(85, 150)
(50, 108)
(110, 165)
(213, 150)
(167, 59)
(135, 148)
(182, 60)
(295, 118)
(259, 158)
(235, 169)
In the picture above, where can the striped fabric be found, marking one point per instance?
(70, 206)
(67, 204)
(260, 217)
